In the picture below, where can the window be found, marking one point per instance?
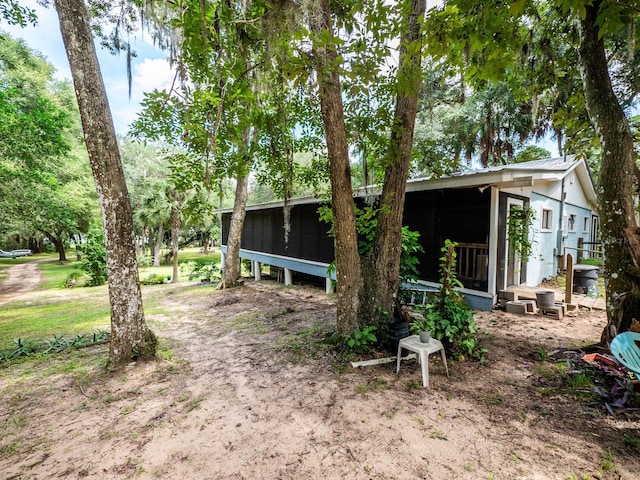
(585, 225)
(547, 218)
(572, 223)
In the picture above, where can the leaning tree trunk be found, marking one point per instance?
(130, 338)
(232, 268)
(382, 265)
(59, 244)
(616, 180)
(348, 270)
(232, 259)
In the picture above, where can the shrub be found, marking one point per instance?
(72, 278)
(449, 318)
(207, 271)
(154, 279)
(144, 261)
(94, 262)
(362, 341)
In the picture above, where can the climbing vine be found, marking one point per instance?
(519, 224)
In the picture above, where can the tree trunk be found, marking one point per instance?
(130, 338)
(59, 244)
(158, 246)
(232, 259)
(616, 210)
(142, 243)
(205, 243)
(348, 270)
(382, 265)
(176, 221)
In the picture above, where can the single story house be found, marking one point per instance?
(470, 208)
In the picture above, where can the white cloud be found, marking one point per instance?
(148, 74)
(149, 70)
(153, 74)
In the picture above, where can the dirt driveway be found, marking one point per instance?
(21, 278)
(241, 392)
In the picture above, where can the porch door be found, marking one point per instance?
(512, 272)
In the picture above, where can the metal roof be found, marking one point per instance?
(501, 176)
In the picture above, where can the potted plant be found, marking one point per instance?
(421, 328)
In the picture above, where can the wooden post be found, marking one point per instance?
(580, 250)
(568, 292)
(288, 277)
(329, 286)
(257, 271)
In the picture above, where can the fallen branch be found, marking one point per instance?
(82, 392)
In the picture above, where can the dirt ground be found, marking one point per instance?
(21, 278)
(240, 392)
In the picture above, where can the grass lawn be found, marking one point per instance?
(184, 256)
(54, 309)
(55, 273)
(46, 316)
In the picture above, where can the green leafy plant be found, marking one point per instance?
(94, 262)
(57, 344)
(207, 271)
(519, 224)
(72, 278)
(363, 340)
(408, 260)
(418, 326)
(154, 279)
(448, 317)
(542, 352)
(366, 224)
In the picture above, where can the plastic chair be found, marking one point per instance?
(423, 350)
(626, 350)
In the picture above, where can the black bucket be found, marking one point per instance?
(398, 330)
(585, 280)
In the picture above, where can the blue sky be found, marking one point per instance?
(150, 69)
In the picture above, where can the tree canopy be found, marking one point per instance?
(45, 183)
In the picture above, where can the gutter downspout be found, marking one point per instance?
(559, 241)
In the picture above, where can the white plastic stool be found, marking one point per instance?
(423, 350)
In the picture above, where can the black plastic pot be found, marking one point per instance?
(398, 329)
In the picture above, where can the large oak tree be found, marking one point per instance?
(130, 337)
(45, 182)
(367, 286)
(490, 41)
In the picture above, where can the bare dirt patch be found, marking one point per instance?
(21, 278)
(241, 391)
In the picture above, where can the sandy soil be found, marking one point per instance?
(21, 278)
(240, 393)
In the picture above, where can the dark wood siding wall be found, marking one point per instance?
(461, 215)
(264, 232)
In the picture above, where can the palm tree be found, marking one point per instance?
(153, 214)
